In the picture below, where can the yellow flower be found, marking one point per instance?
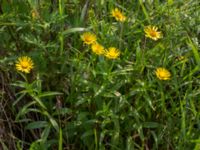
(98, 49)
(151, 32)
(163, 74)
(88, 38)
(34, 14)
(117, 14)
(112, 53)
(24, 64)
(181, 58)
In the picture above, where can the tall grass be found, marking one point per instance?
(75, 99)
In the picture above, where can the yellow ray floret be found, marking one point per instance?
(112, 53)
(88, 38)
(98, 49)
(151, 32)
(24, 64)
(118, 15)
(163, 74)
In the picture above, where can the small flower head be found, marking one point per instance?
(112, 53)
(163, 74)
(88, 38)
(34, 14)
(151, 32)
(24, 64)
(117, 14)
(181, 58)
(98, 49)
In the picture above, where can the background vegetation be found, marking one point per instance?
(74, 99)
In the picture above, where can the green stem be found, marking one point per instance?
(61, 38)
(121, 34)
(61, 7)
(60, 139)
(61, 43)
(96, 140)
(111, 66)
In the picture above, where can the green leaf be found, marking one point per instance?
(45, 94)
(144, 10)
(24, 110)
(19, 84)
(19, 98)
(37, 99)
(52, 120)
(54, 123)
(194, 50)
(3, 145)
(170, 2)
(84, 11)
(150, 125)
(37, 125)
(63, 111)
(37, 145)
(45, 133)
(129, 143)
(87, 133)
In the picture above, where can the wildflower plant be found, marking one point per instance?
(97, 83)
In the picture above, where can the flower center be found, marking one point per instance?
(112, 53)
(153, 33)
(88, 39)
(118, 15)
(98, 48)
(164, 75)
(24, 65)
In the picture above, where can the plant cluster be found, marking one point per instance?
(99, 75)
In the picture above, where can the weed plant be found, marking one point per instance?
(99, 74)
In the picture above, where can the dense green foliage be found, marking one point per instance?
(74, 99)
